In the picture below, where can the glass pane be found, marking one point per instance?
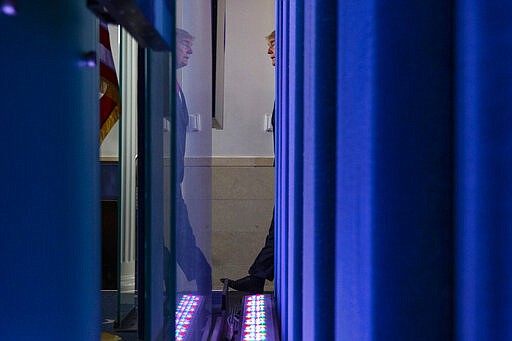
(179, 100)
(193, 62)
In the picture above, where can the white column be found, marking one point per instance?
(128, 160)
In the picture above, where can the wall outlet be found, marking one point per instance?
(268, 123)
(194, 122)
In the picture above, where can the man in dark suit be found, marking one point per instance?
(189, 256)
(263, 266)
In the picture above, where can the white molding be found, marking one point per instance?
(229, 161)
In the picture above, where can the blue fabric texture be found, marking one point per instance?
(405, 169)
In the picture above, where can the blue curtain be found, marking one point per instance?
(484, 170)
(394, 193)
(289, 171)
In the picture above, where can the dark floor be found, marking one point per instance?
(109, 315)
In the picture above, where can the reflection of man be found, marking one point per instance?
(190, 258)
(263, 266)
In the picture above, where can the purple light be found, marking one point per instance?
(255, 323)
(8, 9)
(88, 59)
(185, 311)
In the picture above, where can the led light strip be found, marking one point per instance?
(184, 314)
(255, 320)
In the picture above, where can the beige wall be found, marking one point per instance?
(249, 80)
(243, 200)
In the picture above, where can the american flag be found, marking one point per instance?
(110, 103)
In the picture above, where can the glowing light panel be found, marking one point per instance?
(184, 314)
(255, 321)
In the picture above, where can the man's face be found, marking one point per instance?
(183, 52)
(272, 50)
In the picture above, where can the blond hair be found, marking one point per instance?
(182, 34)
(271, 36)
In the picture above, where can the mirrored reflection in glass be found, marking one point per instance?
(190, 128)
(192, 178)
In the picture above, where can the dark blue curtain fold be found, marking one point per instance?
(484, 168)
(412, 171)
